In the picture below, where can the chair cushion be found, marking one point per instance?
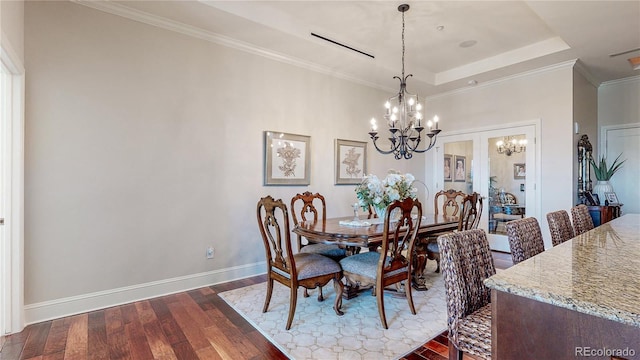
(474, 332)
(312, 265)
(365, 264)
(330, 250)
(433, 247)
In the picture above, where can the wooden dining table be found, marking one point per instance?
(354, 238)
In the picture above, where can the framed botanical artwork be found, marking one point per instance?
(611, 198)
(447, 168)
(519, 171)
(286, 159)
(460, 172)
(350, 162)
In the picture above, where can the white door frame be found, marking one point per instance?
(480, 138)
(12, 190)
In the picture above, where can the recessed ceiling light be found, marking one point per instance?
(440, 28)
(468, 43)
(472, 82)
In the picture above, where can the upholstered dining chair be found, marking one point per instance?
(525, 238)
(392, 265)
(312, 207)
(582, 221)
(469, 219)
(560, 227)
(466, 263)
(292, 270)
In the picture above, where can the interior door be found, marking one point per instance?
(487, 172)
(624, 140)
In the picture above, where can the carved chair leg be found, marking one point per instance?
(268, 297)
(320, 296)
(293, 300)
(339, 288)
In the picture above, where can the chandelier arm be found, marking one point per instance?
(385, 152)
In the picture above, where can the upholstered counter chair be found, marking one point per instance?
(525, 238)
(582, 221)
(466, 263)
(292, 270)
(560, 227)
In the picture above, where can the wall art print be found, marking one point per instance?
(286, 160)
(351, 161)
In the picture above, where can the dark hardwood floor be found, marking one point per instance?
(195, 324)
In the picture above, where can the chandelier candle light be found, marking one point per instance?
(510, 146)
(404, 117)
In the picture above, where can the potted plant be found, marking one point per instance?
(603, 174)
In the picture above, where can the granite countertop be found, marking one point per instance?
(596, 273)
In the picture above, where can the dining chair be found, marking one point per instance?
(582, 221)
(292, 270)
(392, 265)
(467, 262)
(469, 219)
(525, 238)
(560, 227)
(312, 207)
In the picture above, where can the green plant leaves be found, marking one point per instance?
(604, 173)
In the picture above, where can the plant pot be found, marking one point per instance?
(600, 188)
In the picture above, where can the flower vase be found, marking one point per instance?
(381, 212)
(600, 188)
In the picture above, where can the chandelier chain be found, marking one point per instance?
(403, 115)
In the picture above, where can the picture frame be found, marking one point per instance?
(460, 172)
(446, 167)
(611, 198)
(591, 199)
(286, 159)
(350, 161)
(519, 171)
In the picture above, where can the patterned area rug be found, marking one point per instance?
(318, 333)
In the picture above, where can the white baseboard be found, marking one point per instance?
(54, 309)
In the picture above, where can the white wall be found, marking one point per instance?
(619, 108)
(145, 146)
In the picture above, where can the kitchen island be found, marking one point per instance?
(578, 299)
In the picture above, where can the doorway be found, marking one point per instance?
(507, 183)
(11, 191)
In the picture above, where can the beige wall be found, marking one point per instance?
(12, 25)
(545, 95)
(145, 146)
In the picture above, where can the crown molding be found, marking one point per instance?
(164, 23)
(622, 81)
(562, 65)
(582, 69)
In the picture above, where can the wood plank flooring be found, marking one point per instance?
(195, 324)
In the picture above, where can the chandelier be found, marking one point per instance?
(404, 117)
(510, 145)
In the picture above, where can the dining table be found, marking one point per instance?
(577, 299)
(356, 234)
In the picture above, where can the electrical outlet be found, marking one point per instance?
(210, 252)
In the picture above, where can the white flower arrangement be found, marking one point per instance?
(381, 193)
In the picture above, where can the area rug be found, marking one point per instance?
(318, 333)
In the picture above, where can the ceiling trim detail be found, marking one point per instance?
(164, 23)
